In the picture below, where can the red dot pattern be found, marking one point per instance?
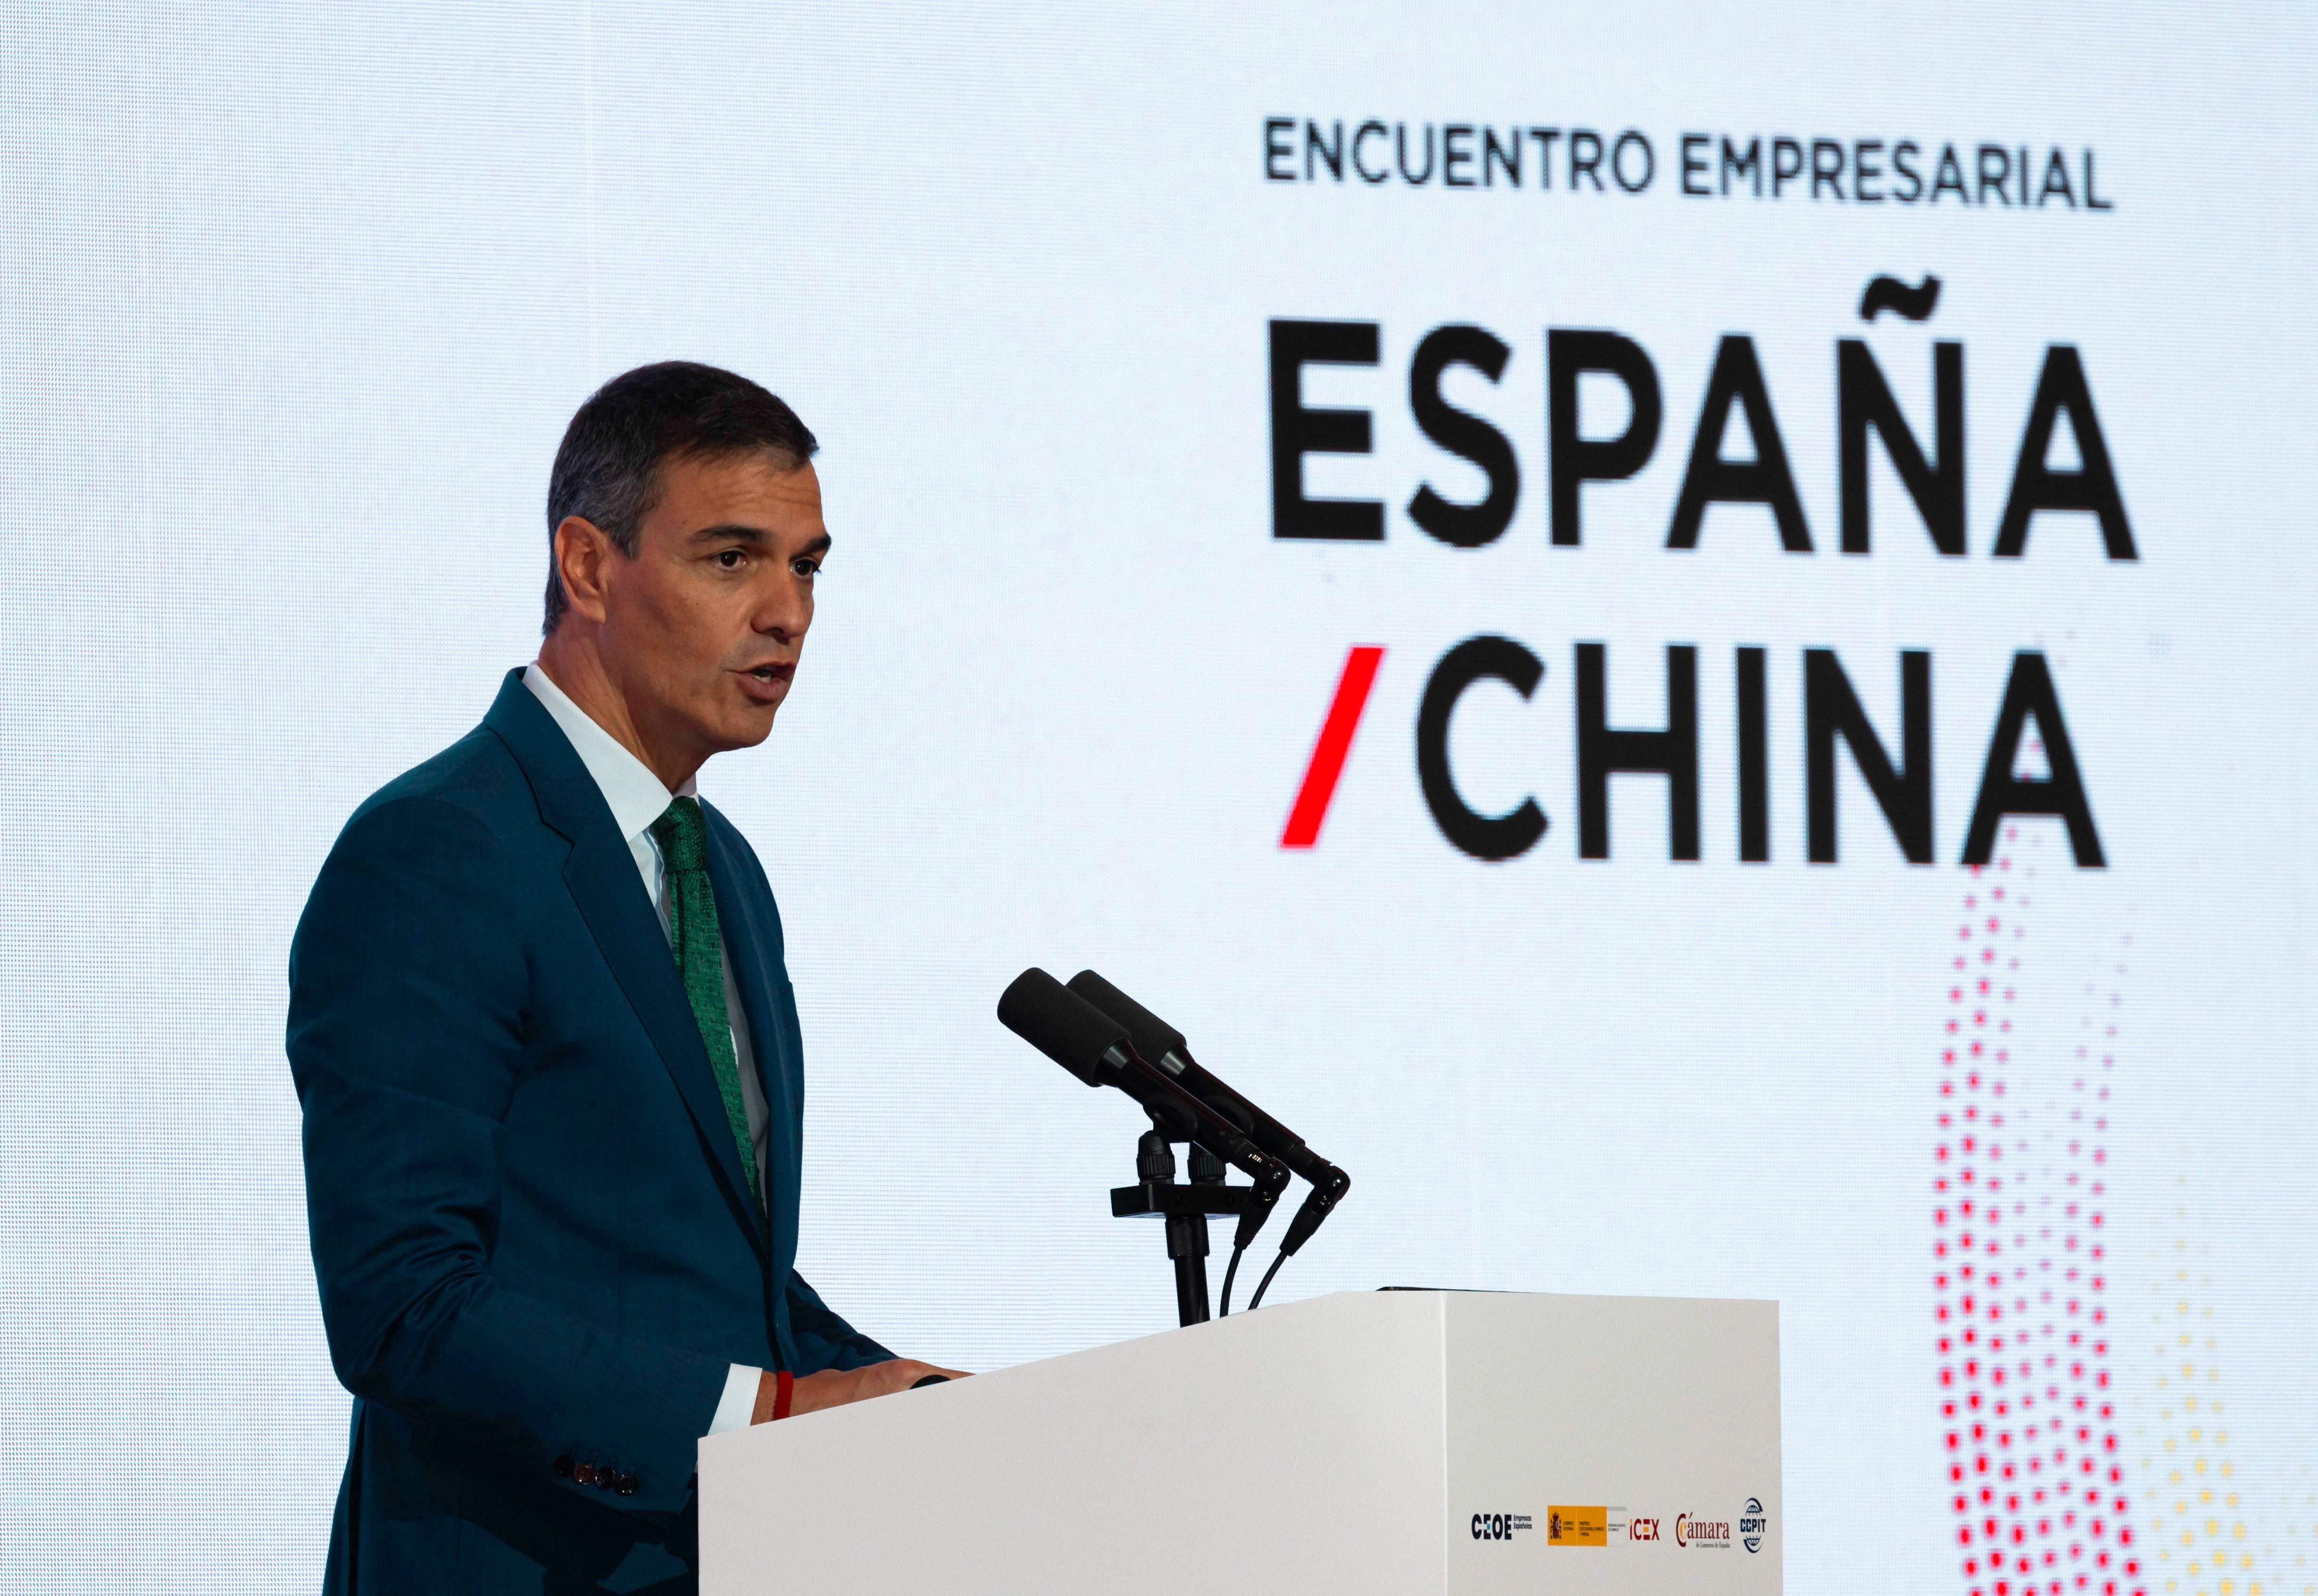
(2026, 1411)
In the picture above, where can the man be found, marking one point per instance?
(548, 1053)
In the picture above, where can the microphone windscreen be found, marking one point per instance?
(1154, 1038)
(1060, 1024)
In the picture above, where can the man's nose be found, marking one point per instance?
(782, 610)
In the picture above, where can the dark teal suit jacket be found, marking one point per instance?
(535, 1246)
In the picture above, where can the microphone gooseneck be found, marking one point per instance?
(1162, 1044)
(1097, 1049)
(1106, 1038)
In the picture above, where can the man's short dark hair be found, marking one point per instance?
(607, 471)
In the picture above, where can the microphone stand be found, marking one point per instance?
(1185, 1208)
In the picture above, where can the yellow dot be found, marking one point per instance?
(2195, 1433)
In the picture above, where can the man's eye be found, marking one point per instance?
(729, 558)
(807, 568)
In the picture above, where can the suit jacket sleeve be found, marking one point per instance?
(408, 991)
(824, 1340)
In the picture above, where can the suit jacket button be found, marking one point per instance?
(562, 1466)
(605, 1477)
(625, 1485)
(585, 1473)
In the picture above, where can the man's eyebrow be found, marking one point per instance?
(730, 531)
(734, 532)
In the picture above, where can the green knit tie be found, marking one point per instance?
(699, 949)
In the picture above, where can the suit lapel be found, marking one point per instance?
(603, 883)
(601, 873)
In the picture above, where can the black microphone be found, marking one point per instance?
(1164, 1044)
(1098, 1050)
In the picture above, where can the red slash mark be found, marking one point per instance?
(1336, 742)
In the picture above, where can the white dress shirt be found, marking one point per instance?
(637, 799)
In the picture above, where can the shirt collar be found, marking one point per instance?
(632, 791)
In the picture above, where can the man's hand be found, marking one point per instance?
(835, 1387)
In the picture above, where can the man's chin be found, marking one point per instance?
(737, 712)
(747, 730)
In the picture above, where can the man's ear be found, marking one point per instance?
(582, 551)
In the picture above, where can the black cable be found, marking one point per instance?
(1230, 1270)
(1257, 1301)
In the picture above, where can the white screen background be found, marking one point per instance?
(296, 308)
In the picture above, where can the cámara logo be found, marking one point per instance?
(1693, 1533)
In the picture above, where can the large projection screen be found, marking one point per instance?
(1455, 551)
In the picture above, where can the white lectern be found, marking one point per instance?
(1391, 1441)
